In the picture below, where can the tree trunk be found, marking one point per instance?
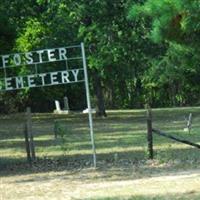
(99, 94)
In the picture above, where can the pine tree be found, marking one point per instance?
(172, 20)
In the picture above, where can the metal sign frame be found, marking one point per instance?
(9, 83)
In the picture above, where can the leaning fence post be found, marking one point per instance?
(30, 133)
(149, 133)
(189, 123)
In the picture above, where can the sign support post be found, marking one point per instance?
(88, 104)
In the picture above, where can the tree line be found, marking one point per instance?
(138, 51)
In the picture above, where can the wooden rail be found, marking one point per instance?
(161, 133)
(151, 130)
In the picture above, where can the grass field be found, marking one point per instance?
(63, 169)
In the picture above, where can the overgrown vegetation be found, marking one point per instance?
(127, 69)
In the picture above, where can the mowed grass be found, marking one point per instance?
(63, 169)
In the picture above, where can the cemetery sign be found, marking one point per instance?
(47, 67)
(22, 70)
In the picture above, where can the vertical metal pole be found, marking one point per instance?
(88, 103)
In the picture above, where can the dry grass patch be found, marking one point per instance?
(98, 184)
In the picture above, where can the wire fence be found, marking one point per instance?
(120, 139)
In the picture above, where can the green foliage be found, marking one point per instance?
(7, 31)
(176, 20)
(61, 132)
(172, 78)
(172, 75)
(108, 44)
(58, 129)
(119, 51)
(32, 36)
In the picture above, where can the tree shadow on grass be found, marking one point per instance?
(21, 144)
(168, 160)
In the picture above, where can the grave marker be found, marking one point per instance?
(58, 109)
(57, 104)
(66, 104)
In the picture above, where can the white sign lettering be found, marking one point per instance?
(29, 58)
(35, 57)
(17, 59)
(19, 82)
(31, 81)
(45, 79)
(8, 83)
(5, 60)
(51, 55)
(62, 54)
(35, 75)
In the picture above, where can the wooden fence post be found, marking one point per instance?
(30, 133)
(27, 144)
(55, 129)
(189, 123)
(149, 133)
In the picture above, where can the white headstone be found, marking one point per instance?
(58, 109)
(57, 103)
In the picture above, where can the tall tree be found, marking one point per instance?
(115, 45)
(173, 20)
(176, 23)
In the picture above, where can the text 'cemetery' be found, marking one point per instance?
(35, 58)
